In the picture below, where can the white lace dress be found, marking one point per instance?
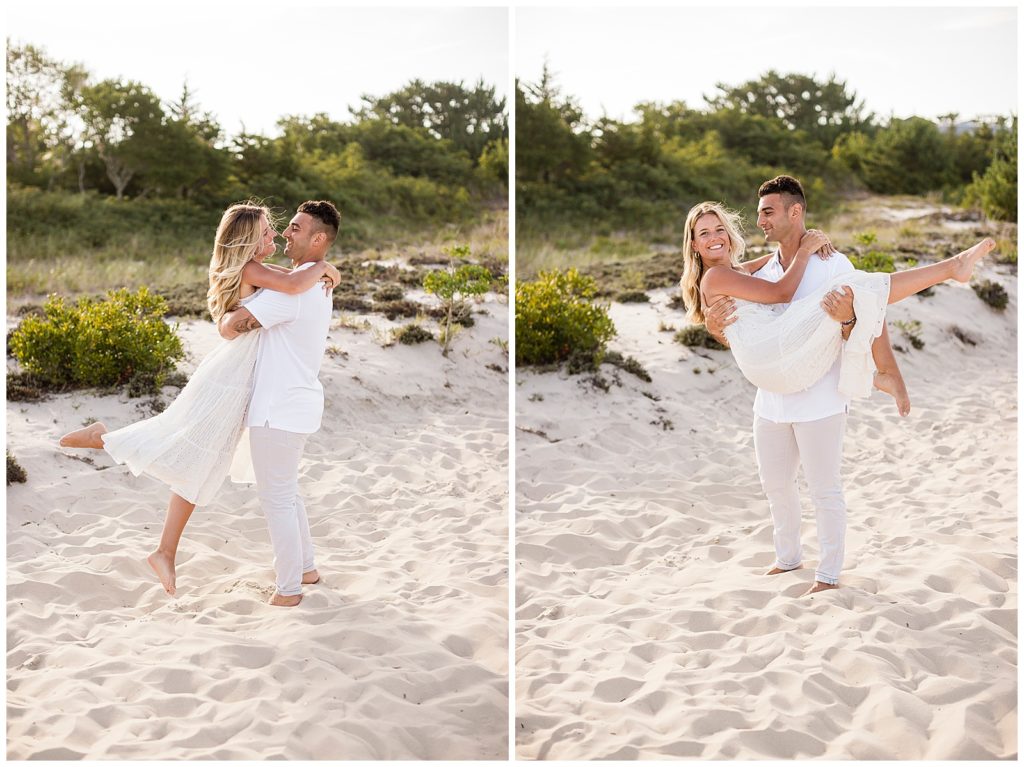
(785, 349)
(190, 445)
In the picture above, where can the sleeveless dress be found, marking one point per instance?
(190, 445)
(786, 349)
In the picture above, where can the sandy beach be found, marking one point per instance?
(399, 653)
(646, 627)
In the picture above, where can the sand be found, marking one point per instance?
(645, 626)
(401, 652)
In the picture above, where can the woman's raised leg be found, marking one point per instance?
(960, 267)
(162, 560)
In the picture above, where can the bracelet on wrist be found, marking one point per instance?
(849, 322)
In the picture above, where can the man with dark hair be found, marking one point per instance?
(805, 428)
(287, 400)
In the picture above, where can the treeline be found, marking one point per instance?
(642, 175)
(427, 154)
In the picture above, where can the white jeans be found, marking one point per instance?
(275, 459)
(817, 445)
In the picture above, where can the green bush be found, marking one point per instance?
(556, 317)
(14, 471)
(452, 286)
(389, 293)
(697, 336)
(911, 330)
(98, 342)
(633, 297)
(992, 293)
(874, 261)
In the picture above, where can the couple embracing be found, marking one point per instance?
(262, 377)
(809, 331)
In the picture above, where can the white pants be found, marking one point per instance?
(818, 446)
(275, 459)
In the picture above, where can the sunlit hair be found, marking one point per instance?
(693, 267)
(238, 239)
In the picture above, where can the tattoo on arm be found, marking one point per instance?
(245, 324)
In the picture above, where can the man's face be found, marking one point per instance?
(299, 236)
(773, 219)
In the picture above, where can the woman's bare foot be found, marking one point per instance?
(819, 586)
(311, 577)
(279, 600)
(963, 266)
(777, 570)
(893, 385)
(89, 436)
(163, 565)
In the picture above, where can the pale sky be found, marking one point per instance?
(255, 61)
(922, 61)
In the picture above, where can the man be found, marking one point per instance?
(805, 428)
(287, 399)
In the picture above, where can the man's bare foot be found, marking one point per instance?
(311, 577)
(893, 385)
(819, 586)
(88, 436)
(964, 263)
(163, 565)
(777, 570)
(279, 600)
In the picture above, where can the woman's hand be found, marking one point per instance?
(816, 241)
(331, 277)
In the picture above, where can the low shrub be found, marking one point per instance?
(629, 364)
(390, 292)
(874, 261)
(697, 336)
(14, 471)
(413, 334)
(556, 317)
(395, 309)
(911, 330)
(633, 297)
(992, 293)
(453, 285)
(98, 342)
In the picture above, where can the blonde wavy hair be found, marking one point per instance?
(693, 267)
(238, 239)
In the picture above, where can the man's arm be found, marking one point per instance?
(233, 324)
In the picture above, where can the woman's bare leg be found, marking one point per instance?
(960, 267)
(89, 436)
(162, 560)
(888, 377)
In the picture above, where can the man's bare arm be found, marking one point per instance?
(233, 324)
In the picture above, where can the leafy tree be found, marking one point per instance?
(455, 284)
(552, 142)
(996, 188)
(908, 156)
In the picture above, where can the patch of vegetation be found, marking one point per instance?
(25, 387)
(390, 292)
(462, 314)
(15, 473)
(963, 336)
(351, 302)
(186, 300)
(633, 297)
(413, 334)
(659, 271)
(911, 330)
(873, 261)
(697, 336)
(992, 293)
(556, 318)
(395, 309)
(453, 285)
(665, 423)
(98, 343)
(629, 364)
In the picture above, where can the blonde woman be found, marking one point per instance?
(190, 445)
(787, 351)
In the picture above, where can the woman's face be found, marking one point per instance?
(711, 241)
(267, 246)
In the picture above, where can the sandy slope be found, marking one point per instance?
(400, 652)
(645, 626)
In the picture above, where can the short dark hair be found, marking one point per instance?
(788, 187)
(324, 212)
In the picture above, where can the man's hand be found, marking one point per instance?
(331, 278)
(838, 304)
(718, 316)
(232, 324)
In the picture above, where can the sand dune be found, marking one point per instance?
(645, 626)
(399, 653)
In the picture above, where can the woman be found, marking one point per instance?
(787, 350)
(190, 445)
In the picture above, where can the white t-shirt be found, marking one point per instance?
(286, 393)
(822, 399)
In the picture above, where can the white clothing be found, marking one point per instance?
(189, 446)
(790, 350)
(821, 399)
(286, 392)
(818, 446)
(275, 457)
